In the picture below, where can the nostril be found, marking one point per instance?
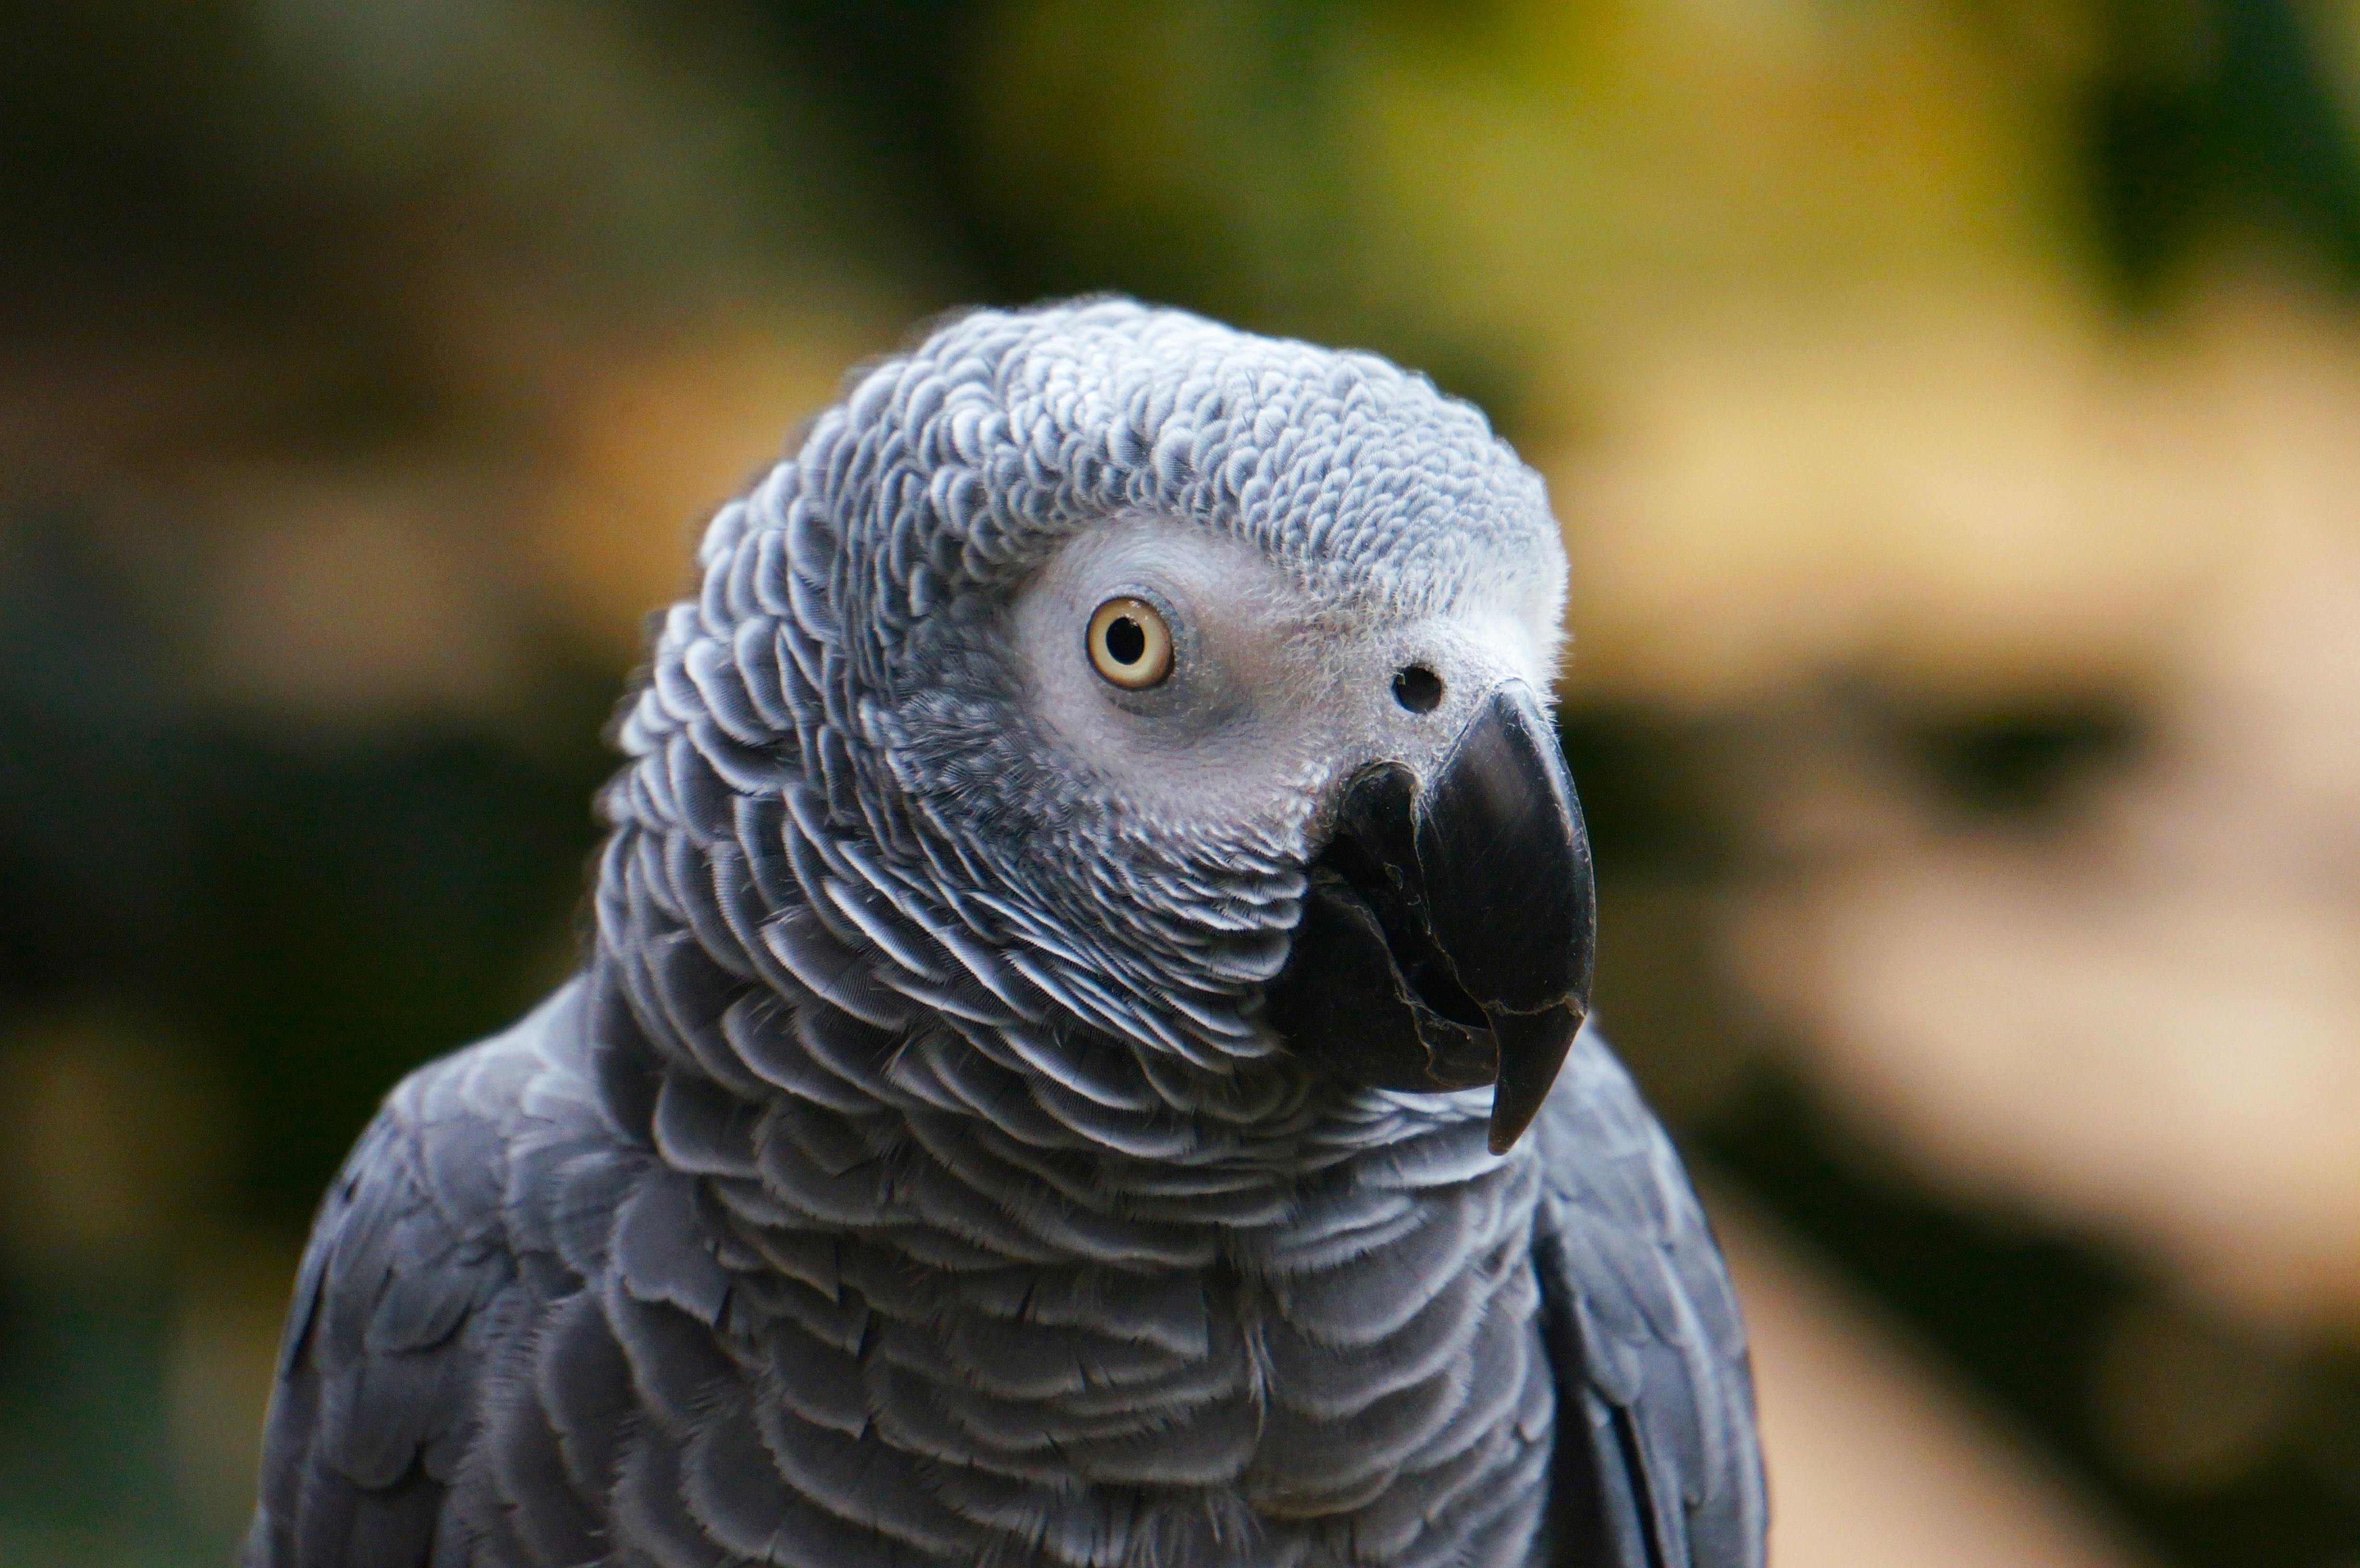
(1417, 689)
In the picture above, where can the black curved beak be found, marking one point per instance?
(1448, 935)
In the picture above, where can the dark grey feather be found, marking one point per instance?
(1645, 1333)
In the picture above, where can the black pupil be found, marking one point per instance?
(1417, 689)
(1126, 640)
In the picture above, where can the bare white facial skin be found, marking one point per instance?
(1274, 693)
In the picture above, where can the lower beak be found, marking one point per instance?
(1449, 933)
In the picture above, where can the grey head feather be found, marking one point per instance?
(848, 658)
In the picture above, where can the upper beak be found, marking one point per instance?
(1449, 934)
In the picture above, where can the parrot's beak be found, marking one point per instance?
(1449, 933)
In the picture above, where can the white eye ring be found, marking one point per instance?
(1129, 645)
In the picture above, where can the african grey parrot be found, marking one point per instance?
(1082, 854)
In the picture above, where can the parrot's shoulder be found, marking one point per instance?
(1645, 1333)
(411, 1278)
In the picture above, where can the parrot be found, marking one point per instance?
(1082, 1054)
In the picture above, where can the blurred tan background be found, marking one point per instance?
(1953, 406)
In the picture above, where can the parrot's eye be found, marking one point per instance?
(1130, 644)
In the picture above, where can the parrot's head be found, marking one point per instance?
(1119, 670)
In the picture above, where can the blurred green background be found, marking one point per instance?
(1953, 408)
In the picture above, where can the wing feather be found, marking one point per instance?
(408, 1283)
(1658, 1465)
